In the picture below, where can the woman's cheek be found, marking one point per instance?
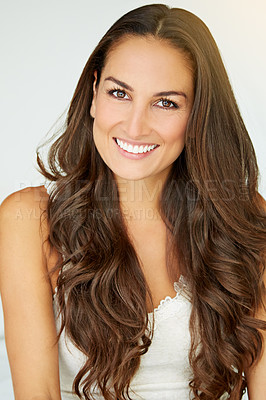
(174, 129)
(108, 114)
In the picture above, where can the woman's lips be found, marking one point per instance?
(135, 156)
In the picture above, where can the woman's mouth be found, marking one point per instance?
(141, 149)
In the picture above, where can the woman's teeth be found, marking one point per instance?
(135, 149)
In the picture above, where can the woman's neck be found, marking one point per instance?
(140, 199)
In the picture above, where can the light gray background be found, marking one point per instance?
(44, 46)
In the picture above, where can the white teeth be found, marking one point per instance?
(136, 149)
(124, 146)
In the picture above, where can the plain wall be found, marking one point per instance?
(45, 44)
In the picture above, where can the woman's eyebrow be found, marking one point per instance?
(120, 83)
(171, 93)
(127, 87)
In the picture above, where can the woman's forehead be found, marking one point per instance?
(141, 58)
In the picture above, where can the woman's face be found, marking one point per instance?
(141, 108)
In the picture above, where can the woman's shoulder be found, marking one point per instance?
(23, 222)
(26, 291)
(26, 207)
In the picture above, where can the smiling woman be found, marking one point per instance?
(146, 275)
(149, 106)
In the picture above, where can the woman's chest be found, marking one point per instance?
(159, 268)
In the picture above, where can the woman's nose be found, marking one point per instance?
(137, 123)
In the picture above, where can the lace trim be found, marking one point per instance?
(179, 287)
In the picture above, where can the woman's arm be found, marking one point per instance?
(256, 376)
(26, 293)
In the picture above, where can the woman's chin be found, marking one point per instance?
(129, 176)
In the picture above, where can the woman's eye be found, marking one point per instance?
(165, 103)
(120, 94)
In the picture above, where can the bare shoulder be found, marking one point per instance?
(26, 294)
(20, 224)
(24, 204)
(24, 212)
(24, 226)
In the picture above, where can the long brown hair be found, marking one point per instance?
(210, 205)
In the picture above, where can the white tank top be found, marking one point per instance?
(164, 371)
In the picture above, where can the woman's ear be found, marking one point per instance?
(93, 103)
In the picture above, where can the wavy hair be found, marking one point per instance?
(209, 203)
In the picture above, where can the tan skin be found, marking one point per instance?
(26, 295)
(25, 256)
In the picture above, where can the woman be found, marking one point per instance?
(151, 237)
